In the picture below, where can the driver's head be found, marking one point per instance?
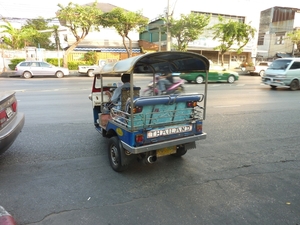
(125, 78)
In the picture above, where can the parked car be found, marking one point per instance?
(11, 121)
(283, 72)
(259, 68)
(28, 69)
(216, 74)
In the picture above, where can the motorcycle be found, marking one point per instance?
(174, 88)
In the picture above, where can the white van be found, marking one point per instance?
(283, 72)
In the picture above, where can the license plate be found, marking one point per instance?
(9, 112)
(168, 131)
(166, 151)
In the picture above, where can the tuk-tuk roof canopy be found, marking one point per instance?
(158, 62)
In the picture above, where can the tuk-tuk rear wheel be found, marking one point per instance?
(115, 155)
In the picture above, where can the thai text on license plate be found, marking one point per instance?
(168, 131)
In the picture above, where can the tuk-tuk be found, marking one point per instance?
(149, 127)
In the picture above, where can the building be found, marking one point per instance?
(275, 24)
(204, 44)
(107, 40)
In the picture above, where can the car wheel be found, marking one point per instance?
(90, 73)
(199, 80)
(294, 85)
(115, 154)
(59, 74)
(261, 73)
(273, 87)
(27, 75)
(231, 79)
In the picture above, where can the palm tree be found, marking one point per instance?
(16, 38)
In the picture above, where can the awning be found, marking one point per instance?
(118, 50)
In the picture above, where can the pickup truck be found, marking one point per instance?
(89, 69)
(259, 69)
(86, 69)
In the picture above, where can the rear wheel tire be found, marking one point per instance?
(199, 80)
(230, 79)
(273, 87)
(27, 75)
(115, 155)
(261, 73)
(294, 85)
(59, 74)
(90, 73)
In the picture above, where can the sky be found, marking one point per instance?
(151, 9)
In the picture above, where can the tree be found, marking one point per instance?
(188, 28)
(16, 38)
(230, 34)
(39, 39)
(80, 19)
(294, 36)
(124, 22)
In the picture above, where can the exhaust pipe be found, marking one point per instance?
(151, 159)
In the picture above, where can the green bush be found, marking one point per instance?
(14, 62)
(91, 57)
(73, 65)
(54, 61)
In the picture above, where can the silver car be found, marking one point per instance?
(11, 121)
(28, 69)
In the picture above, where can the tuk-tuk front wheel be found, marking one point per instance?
(115, 154)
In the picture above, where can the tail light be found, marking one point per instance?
(137, 109)
(191, 104)
(14, 106)
(3, 117)
(198, 127)
(139, 138)
(8, 112)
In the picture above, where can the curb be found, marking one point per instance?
(6, 218)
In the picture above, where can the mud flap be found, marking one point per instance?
(191, 145)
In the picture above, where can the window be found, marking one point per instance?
(280, 38)
(34, 64)
(295, 65)
(242, 58)
(43, 64)
(261, 38)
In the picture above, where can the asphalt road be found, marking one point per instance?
(245, 172)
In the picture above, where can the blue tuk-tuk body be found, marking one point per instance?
(149, 127)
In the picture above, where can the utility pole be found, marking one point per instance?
(168, 28)
(1, 42)
(52, 30)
